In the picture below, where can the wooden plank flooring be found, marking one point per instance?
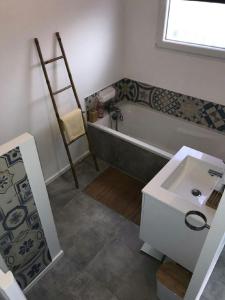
(118, 191)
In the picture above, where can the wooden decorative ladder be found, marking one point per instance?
(52, 94)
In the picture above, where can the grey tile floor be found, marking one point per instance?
(102, 259)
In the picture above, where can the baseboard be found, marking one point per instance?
(66, 168)
(48, 268)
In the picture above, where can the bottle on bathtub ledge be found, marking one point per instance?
(96, 110)
(92, 115)
(100, 109)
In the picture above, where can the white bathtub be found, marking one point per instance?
(160, 133)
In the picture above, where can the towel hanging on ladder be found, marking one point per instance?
(73, 125)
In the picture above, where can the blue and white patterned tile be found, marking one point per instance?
(5, 181)
(214, 114)
(127, 90)
(21, 235)
(23, 190)
(165, 101)
(144, 93)
(12, 157)
(14, 218)
(205, 113)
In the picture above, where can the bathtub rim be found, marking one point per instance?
(134, 141)
(169, 116)
(154, 149)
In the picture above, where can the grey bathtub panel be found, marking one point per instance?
(126, 156)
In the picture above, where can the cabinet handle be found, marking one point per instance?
(199, 214)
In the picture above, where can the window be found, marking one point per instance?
(194, 26)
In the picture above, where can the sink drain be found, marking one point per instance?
(196, 193)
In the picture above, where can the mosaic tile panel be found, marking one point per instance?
(188, 108)
(22, 242)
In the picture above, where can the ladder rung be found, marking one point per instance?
(62, 90)
(71, 142)
(53, 59)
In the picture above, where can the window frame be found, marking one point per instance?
(162, 42)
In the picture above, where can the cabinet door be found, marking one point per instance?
(164, 229)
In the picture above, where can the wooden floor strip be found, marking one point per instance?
(175, 278)
(214, 200)
(118, 191)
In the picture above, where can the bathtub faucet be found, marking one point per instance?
(115, 114)
(112, 107)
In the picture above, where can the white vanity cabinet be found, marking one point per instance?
(164, 229)
(171, 196)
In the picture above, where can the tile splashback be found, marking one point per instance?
(22, 242)
(188, 108)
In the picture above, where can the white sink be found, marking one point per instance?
(188, 170)
(192, 181)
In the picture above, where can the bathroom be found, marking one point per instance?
(168, 98)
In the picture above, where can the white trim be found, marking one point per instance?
(162, 42)
(66, 168)
(210, 253)
(47, 269)
(34, 173)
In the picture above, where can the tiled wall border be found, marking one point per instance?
(205, 113)
(23, 245)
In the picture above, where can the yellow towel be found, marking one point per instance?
(73, 124)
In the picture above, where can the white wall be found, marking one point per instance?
(198, 76)
(93, 35)
(93, 39)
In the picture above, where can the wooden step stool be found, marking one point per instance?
(172, 281)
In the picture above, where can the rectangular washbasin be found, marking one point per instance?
(192, 180)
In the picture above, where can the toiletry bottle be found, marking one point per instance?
(92, 115)
(100, 109)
